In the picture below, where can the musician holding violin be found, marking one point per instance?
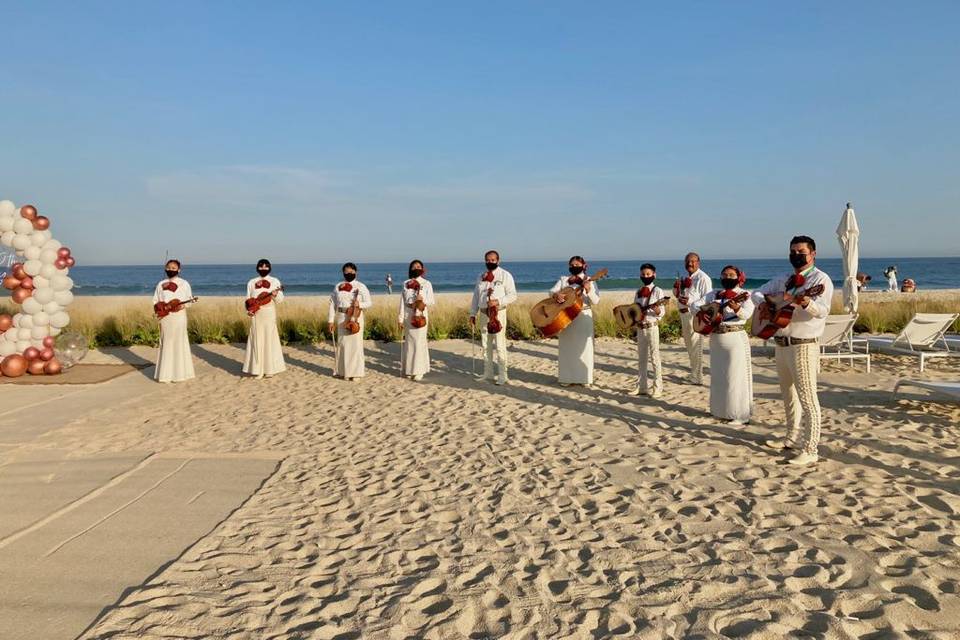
(650, 298)
(575, 362)
(722, 314)
(494, 291)
(264, 357)
(796, 305)
(415, 297)
(173, 293)
(345, 320)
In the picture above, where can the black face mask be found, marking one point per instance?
(349, 277)
(492, 265)
(416, 273)
(172, 273)
(575, 271)
(798, 260)
(729, 283)
(647, 280)
(264, 272)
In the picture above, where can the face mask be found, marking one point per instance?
(729, 283)
(349, 277)
(575, 271)
(416, 273)
(492, 265)
(647, 280)
(263, 271)
(172, 273)
(798, 260)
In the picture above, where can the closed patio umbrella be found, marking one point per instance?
(848, 232)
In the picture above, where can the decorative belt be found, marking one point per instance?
(343, 309)
(684, 310)
(647, 325)
(785, 341)
(729, 328)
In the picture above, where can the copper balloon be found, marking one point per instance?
(20, 294)
(27, 283)
(31, 353)
(60, 263)
(36, 367)
(42, 223)
(5, 322)
(53, 367)
(71, 262)
(17, 270)
(13, 366)
(47, 354)
(63, 252)
(11, 283)
(48, 343)
(28, 211)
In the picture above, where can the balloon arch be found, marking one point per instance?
(41, 286)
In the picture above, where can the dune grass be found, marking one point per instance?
(130, 321)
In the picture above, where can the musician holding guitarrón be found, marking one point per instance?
(174, 360)
(264, 355)
(576, 340)
(648, 334)
(345, 317)
(495, 290)
(415, 297)
(797, 350)
(726, 310)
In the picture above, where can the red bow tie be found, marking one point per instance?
(574, 280)
(728, 294)
(687, 283)
(488, 276)
(263, 284)
(413, 284)
(795, 281)
(644, 293)
(169, 286)
(346, 286)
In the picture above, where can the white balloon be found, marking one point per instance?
(39, 282)
(48, 271)
(30, 306)
(59, 320)
(26, 322)
(41, 318)
(63, 298)
(55, 331)
(39, 333)
(32, 253)
(21, 242)
(32, 267)
(23, 226)
(41, 238)
(24, 333)
(43, 295)
(52, 307)
(17, 318)
(6, 224)
(7, 208)
(8, 348)
(61, 283)
(23, 345)
(7, 237)
(48, 256)
(52, 244)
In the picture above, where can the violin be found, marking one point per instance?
(418, 320)
(163, 309)
(254, 304)
(493, 310)
(351, 323)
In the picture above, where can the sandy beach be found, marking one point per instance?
(456, 509)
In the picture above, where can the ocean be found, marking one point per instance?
(314, 279)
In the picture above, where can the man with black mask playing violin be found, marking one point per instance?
(809, 291)
(494, 291)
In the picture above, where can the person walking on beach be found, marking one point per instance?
(415, 298)
(494, 291)
(575, 363)
(345, 317)
(264, 355)
(389, 284)
(891, 273)
(690, 290)
(174, 360)
(731, 376)
(797, 352)
(650, 298)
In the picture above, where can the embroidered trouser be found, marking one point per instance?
(490, 342)
(694, 343)
(648, 357)
(797, 370)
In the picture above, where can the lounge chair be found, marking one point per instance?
(949, 389)
(838, 343)
(923, 336)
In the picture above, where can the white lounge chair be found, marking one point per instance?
(838, 343)
(923, 336)
(949, 389)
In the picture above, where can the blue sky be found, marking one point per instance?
(374, 131)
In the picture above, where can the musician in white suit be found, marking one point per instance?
(797, 350)
(415, 355)
(174, 360)
(264, 356)
(349, 358)
(576, 340)
(494, 288)
(690, 291)
(650, 374)
(731, 376)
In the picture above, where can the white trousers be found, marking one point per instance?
(174, 360)
(575, 364)
(694, 343)
(494, 342)
(797, 371)
(648, 357)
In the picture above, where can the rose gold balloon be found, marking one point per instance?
(27, 283)
(42, 223)
(14, 366)
(48, 343)
(63, 252)
(11, 283)
(20, 294)
(31, 353)
(47, 354)
(36, 367)
(71, 262)
(17, 270)
(28, 211)
(53, 367)
(6, 322)
(60, 263)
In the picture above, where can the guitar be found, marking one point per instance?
(163, 309)
(629, 316)
(711, 315)
(776, 313)
(551, 317)
(264, 298)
